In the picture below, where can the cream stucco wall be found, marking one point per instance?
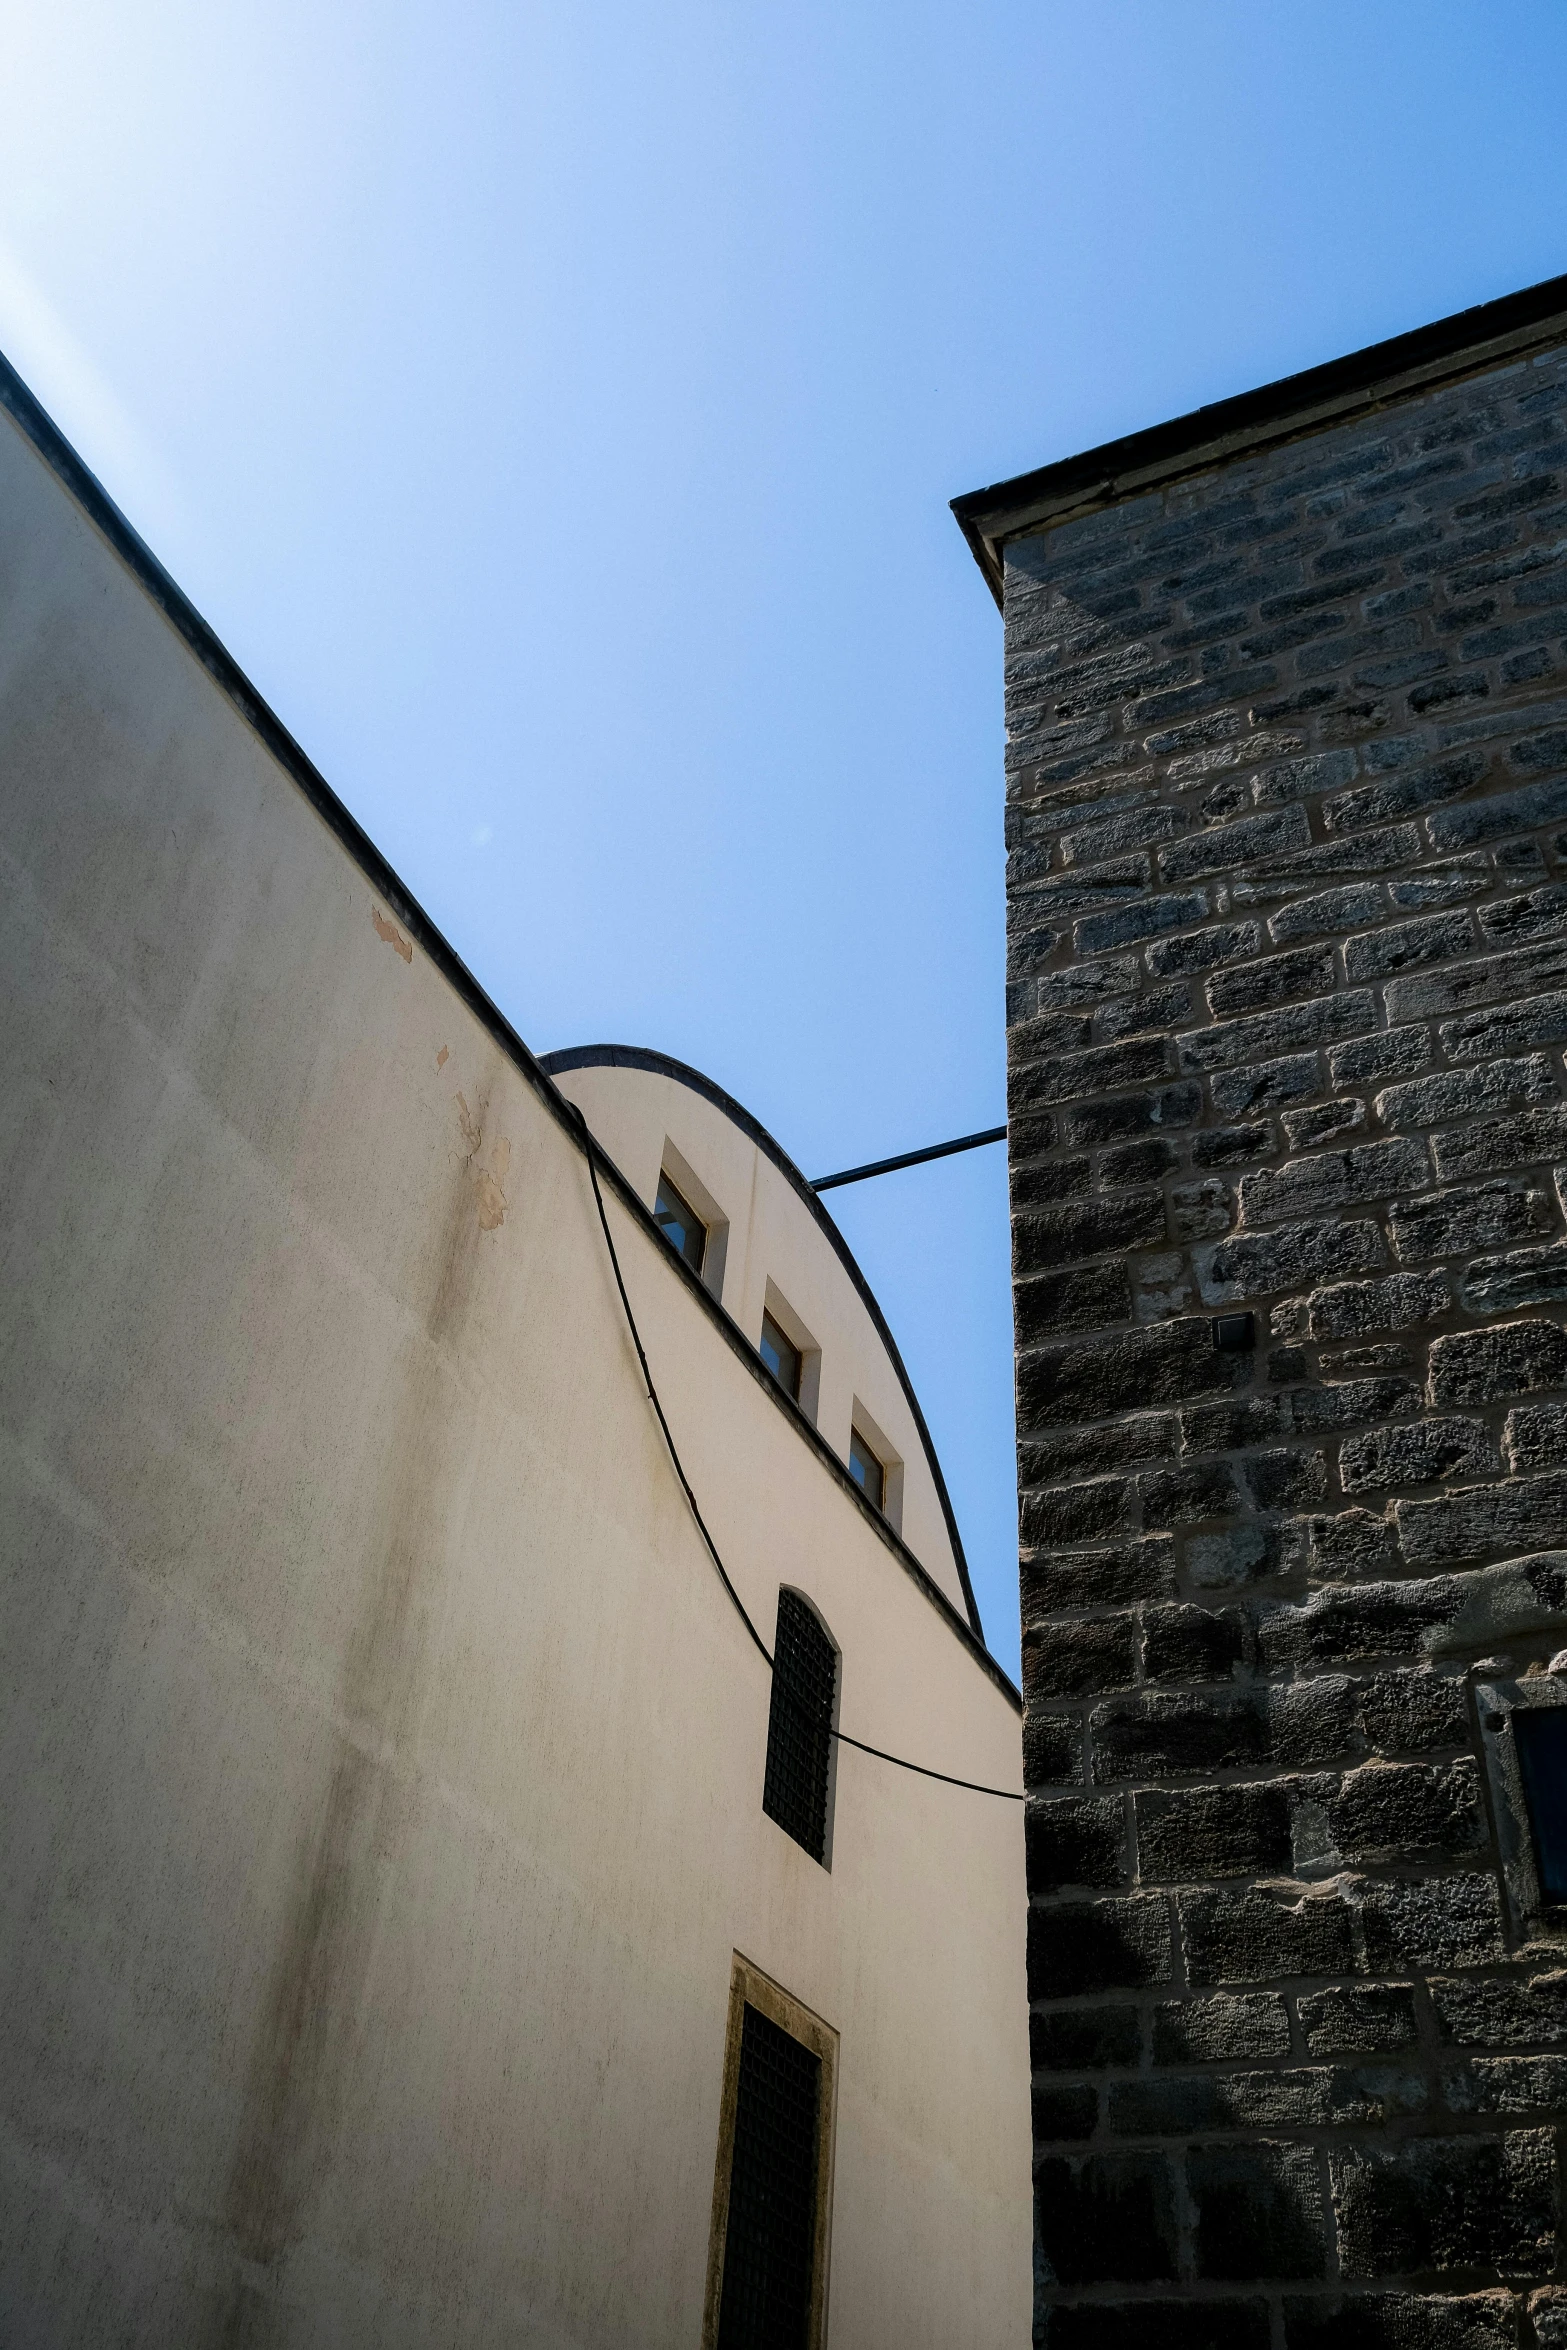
(775, 1245)
(382, 1760)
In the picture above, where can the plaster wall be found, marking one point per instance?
(773, 1238)
(383, 1760)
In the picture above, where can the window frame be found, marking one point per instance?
(822, 1859)
(882, 1449)
(666, 1181)
(750, 1987)
(776, 1307)
(1497, 1701)
(675, 1168)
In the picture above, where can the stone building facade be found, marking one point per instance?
(1287, 902)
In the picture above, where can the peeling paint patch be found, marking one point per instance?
(492, 1200)
(472, 1132)
(392, 935)
(492, 1203)
(443, 1056)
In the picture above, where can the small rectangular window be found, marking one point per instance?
(1541, 1732)
(799, 1725)
(680, 1224)
(866, 1470)
(781, 1356)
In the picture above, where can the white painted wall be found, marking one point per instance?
(773, 1238)
(382, 1761)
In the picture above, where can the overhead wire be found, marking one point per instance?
(973, 1786)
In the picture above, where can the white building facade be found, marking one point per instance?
(402, 1830)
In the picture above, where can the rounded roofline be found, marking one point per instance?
(631, 1056)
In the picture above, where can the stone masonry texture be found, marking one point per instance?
(1287, 1007)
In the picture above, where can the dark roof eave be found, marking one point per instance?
(1297, 405)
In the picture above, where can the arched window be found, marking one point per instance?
(799, 1725)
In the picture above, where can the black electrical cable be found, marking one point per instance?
(934, 1150)
(1005, 1794)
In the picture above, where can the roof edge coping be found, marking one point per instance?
(1468, 343)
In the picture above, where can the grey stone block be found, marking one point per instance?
(1418, 1455)
(1529, 1514)
(1517, 2010)
(1467, 1093)
(1079, 1659)
(1076, 2040)
(1529, 1137)
(1083, 1297)
(1074, 1843)
(1260, 1936)
(1405, 1301)
(1406, 1812)
(1052, 1750)
(1392, 1052)
(1446, 2204)
(1203, 950)
(1349, 1546)
(1402, 2321)
(1377, 953)
(1405, 793)
(1306, 1128)
(1510, 1028)
(1253, 1265)
(1089, 1379)
(1122, 1572)
(1194, 1644)
(1106, 2216)
(1536, 1438)
(1511, 1358)
(1147, 1736)
(1223, 1562)
(1410, 1712)
(1358, 2020)
(1354, 1624)
(1184, 1837)
(1109, 1945)
(1328, 912)
(1237, 1091)
(1140, 917)
(1141, 1436)
(1043, 1237)
(1331, 1179)
(1262, 1036)
(1272, 979)
(1259, 2211)
(1229, 845)
(1524, 1277)
(1530, 2086)
(1478, 1216)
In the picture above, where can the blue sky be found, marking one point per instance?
(554, 407)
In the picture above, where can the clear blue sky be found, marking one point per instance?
(554, 407)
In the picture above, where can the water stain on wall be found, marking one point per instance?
(307, 2035)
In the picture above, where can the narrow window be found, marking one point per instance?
(770, 2242)
(1541, 1732)
(866, 1470)
(799, 1726)
(772, 2180)
(680, 1224)
(781, 1356)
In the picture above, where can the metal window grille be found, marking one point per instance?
(799, 1726)
(770, 2241)
(1541, 1734)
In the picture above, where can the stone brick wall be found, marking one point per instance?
(1287, 1007)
